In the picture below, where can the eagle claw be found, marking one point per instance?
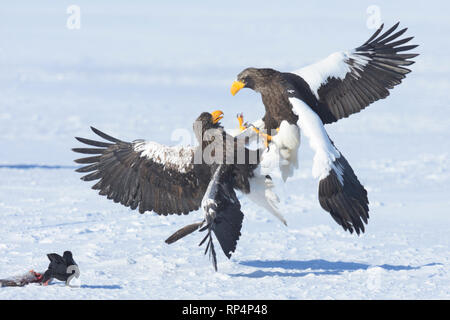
(242, 126)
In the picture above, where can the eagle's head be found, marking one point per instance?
(207, 121)
(253, 78)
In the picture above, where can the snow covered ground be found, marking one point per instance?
(146, 70)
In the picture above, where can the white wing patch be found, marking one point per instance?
(177, 158)
(337, 65)
(312, 127)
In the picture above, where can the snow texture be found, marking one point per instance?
(146, 69)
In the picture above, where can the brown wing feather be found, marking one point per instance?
(135, 180)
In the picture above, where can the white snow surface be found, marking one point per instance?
(147, 70)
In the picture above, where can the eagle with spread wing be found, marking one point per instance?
(148, 176)
(334, 88)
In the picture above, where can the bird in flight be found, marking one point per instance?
(148, 176)
(331, 89)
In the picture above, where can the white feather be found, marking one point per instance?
(334, 66)
(287, 141)
(312, 127)
(271, 160)
(262, 194)
(177, 157)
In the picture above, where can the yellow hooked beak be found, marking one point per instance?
(216, 116)
(236, 86)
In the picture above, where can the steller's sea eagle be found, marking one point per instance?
(334, 88)
(149, 176)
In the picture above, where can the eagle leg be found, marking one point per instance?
(242, 126)
(267, 138)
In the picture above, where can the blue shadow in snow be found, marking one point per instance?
(34, 166)
(87, 286)
(114, 286)
(316, 267)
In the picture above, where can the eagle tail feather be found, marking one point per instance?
(183, 232)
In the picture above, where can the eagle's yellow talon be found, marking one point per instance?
(267, 138)
(242, 127)
(240, 118)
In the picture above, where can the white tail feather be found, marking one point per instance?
(262, 193)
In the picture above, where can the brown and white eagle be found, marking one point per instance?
(149, 176)
(334, 88)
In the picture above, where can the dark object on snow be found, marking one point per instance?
(22, 280)
(59, 267)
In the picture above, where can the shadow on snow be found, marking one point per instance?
(34, 166)
(316, 267)
(86, 286)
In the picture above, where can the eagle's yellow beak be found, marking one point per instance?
(236, 86)
(216, 116)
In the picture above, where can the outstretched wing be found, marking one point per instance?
(344, 197)
(340, 192)
(144, 175)
(223, 216)
(223, 210)
(346, 82)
